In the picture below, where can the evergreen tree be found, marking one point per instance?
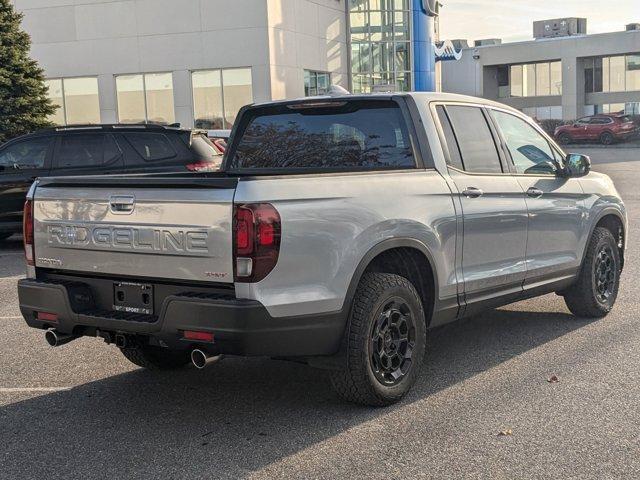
(24, 105)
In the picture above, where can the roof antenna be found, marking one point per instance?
(337, 91)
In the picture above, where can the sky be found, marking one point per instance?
(512, 20)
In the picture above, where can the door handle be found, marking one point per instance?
(535, 192)
(122, 205)
(472, 192)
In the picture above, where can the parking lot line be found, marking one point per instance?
(34, 390)
(16, 317)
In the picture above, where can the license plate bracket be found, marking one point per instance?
(133, 297)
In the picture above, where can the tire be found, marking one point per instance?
(596, 289)
(387, 322)
(606, 138)
(564, 139)
(156, 358)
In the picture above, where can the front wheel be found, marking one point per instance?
(156, 358)
(596, 289)
(386, 341)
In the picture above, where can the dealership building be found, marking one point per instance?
(196, 62)
(562, 74)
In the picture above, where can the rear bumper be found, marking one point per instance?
(240, 327)
(625, 134)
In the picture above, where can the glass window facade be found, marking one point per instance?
(316, 83)
(544, 113)
(629, 108)
(533, 80)
(380, 48)
(612, 74)
(145, 98)
(218, 95)
(77, 100)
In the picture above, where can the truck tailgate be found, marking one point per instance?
(105, 226)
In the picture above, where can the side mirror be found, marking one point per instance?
(577, 165)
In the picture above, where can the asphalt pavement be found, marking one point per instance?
(482, 408)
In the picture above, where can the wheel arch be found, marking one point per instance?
(614, 221)
(403, 256)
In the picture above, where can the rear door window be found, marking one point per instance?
(600, 121)
(455, 160)
(86, 150)
(353, 135)
(151, 146)
(25, 155)
(475, 140)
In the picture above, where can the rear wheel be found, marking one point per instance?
(564, 139)
(156, 358)
(386, 341)
(595, 292)
(606, 138)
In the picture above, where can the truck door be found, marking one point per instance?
(493, 208)
(557, 217)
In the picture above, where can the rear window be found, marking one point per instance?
(151, 146)
(356, 135)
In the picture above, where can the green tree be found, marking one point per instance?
(24, 105)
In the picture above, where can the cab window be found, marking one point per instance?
(529, 150)
(474, 140)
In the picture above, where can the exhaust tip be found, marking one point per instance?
(199, 359)
(51, 338)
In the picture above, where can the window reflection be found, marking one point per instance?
(82, 103)
(145, 98)
(238, 92)
(159, 96)
(207, 99)
(531, 80)
(379, 31)
(131, 103)
(54, 89)
(218, 95)
(77, 100)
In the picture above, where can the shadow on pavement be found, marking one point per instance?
(237, 416)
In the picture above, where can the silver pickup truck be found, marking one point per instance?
(339, 231)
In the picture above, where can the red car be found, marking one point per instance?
(603, 128)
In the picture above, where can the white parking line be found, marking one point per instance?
(35, 390)
(17, 317)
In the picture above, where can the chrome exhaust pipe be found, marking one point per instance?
(56, 339)
(201, 359)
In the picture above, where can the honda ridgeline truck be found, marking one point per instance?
(339, 231)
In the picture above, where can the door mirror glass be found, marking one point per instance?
(577, 165)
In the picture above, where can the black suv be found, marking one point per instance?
(95, 150)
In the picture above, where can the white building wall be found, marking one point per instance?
(278, 39)
(306, 35)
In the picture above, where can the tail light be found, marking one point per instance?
(257, 231)
(27, 230)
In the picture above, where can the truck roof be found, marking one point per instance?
(423, 96)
